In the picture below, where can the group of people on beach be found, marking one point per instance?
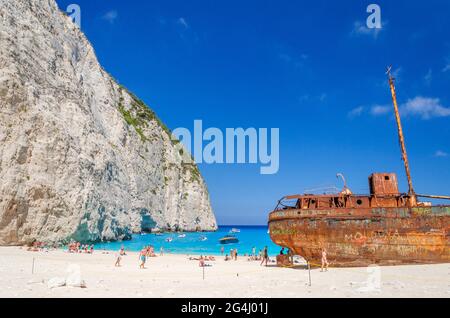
(233, 254)
(202, 260)
(77, 247)
(262, 256)
(148, 251)
(144, 253)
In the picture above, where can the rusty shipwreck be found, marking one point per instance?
(385, 227)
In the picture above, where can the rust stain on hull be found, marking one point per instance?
(361, 237)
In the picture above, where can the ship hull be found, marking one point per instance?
(363, 237)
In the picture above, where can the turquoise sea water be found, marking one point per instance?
(192, 244)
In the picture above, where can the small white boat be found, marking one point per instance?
(182, 235)
(233, 230)
(203, 238)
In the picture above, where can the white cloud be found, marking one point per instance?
(313, 99)
(356, 112)
(110, 16)
(378, 110)
(447, 65)
(425, 108)
(441, 154)
(182, 21)
(285, 57)
(296, 61)
(428, 77)
(360, 28)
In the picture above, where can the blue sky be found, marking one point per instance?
(310, 68)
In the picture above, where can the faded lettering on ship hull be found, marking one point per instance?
(387, 236)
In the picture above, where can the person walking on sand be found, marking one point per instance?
(118, 258)
(235, 254)
(324, 260)
(142, 258)
(254, 252)
(265, 256)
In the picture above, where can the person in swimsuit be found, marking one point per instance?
(118, 259)
(265, 257)
(324, 260)
(143, 258)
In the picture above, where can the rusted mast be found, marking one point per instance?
(412, 194)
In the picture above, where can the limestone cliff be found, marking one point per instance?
(80, 156)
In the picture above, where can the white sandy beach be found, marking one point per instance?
(176, 276)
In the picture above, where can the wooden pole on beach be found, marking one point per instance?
(203, 272)
(309, 273)
(32, 268)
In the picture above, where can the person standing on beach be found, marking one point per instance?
(142, 258)
(235, 254)
(324, 260)
(254, 252)
(161, 251)
(265, 257)
(222, 250)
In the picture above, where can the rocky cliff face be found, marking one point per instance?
(80, 156)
